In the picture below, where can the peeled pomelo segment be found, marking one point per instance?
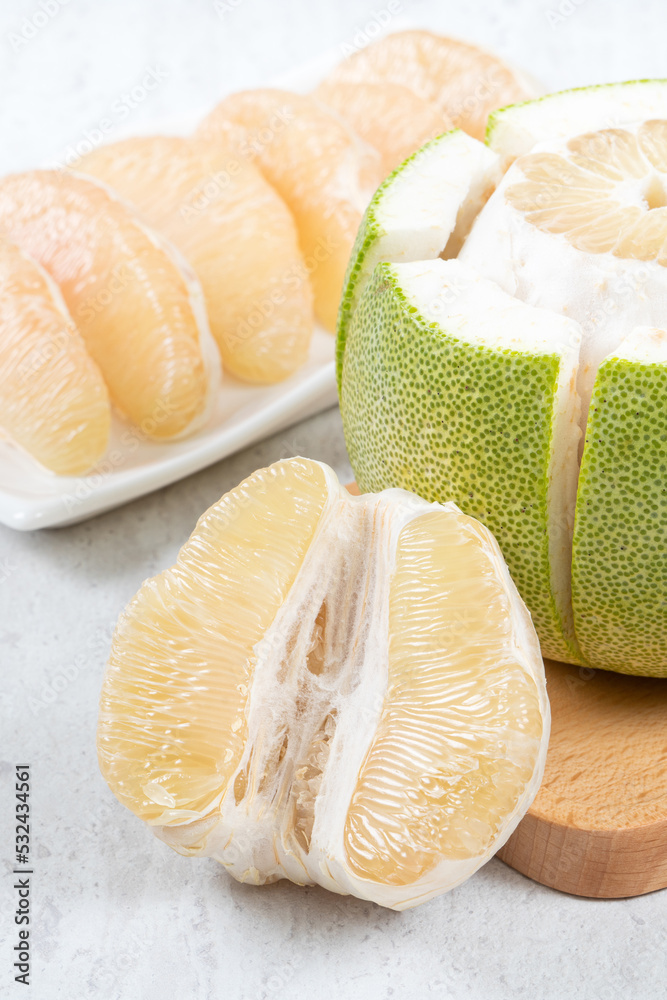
(255, 686)
(578, 226)
(422, 211)
(464, 82)
(455, 390)
(516, 129)
(173, 709)
(53, 400)
(321, 169)
(431, 774)
(236, 233)
(137, 306)
(390, 117)
(619, 576)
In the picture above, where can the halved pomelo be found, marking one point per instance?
(390, 117)
(53, 400)
(332, 689)
(237, 234)
(138, 306)
(322, 170)
(462, 81)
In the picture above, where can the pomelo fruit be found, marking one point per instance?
(332, 689)
(133, 298)
(457, 390)
(53, 401)
(237, 234)
(431, 400)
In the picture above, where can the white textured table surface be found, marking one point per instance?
(115, 912)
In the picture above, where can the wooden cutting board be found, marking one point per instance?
(598, 826)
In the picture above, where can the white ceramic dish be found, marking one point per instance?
(34, 498)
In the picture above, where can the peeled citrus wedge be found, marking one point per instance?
(388, 116)
(53, 400)
(322, 170)
(332, 689)
(463, 82)
(138, 308)
(525, 380)
(237, 234)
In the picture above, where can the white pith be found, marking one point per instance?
(607, 295)
(646, 345)
(515, 130)
(478, 311)
(431, 203)
(264, 835)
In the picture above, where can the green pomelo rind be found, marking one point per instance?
(428, 411)
(619, 568)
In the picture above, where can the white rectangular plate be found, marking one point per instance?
(34, 498)
(31, 497)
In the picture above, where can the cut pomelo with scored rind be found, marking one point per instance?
(237, 234)
(321, 169)
(619, 571)
(473, 400)
(134, 299)
(388, 116)
(422, 211)
(334, 689)
(576, 228)
(516, 129)
(464, 82)
(53, 401)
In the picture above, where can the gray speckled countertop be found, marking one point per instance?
(115, 912)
